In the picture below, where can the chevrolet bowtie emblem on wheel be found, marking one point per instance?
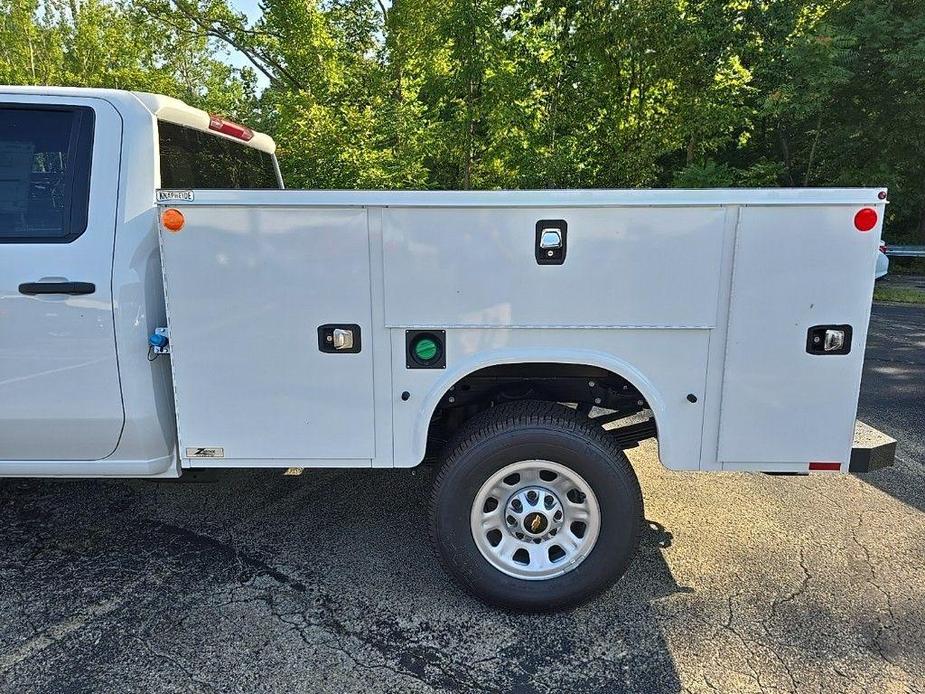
(535, 523)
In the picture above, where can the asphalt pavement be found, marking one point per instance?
(260, 582)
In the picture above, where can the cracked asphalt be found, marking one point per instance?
(324, 582)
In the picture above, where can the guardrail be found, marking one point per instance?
(906, 251)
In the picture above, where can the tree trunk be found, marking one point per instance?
(921, 234)
(391, 39)
(470, 137)
(785, 150)
(812, 150)
(32, 58)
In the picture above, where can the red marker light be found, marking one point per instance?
(830, 467)
(865, 219)
(227, 127)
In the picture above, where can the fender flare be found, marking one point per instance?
(581, 357)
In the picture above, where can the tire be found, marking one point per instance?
(560, 454)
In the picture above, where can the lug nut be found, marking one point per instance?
(532, 496)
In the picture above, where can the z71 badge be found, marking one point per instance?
(192, 452)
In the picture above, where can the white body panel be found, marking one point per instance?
(661, 363)
(476, 267)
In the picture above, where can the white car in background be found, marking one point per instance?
(883, 262)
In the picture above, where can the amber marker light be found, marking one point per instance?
(172, 219)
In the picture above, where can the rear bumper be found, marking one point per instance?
(872, 449)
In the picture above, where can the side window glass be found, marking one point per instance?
(45, 156)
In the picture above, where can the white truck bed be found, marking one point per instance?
(687, 294)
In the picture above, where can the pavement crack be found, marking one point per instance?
(873, 581)
(176, 662)
(254, 563)
(800, 590)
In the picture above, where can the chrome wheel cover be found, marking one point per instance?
(535, 520)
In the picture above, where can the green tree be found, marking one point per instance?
(525, 93)
(101, 44)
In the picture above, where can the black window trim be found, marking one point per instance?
(77, 200)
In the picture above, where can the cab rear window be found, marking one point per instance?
(196, 159)
(45, 158)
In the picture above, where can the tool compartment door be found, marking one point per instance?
(247, 290)
(795, 268)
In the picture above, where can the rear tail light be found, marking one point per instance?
(230, 128)
(865, 219)
(883, 248)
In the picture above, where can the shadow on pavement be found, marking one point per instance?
(893, 397)
(262, 582)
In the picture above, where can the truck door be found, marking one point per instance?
(59, 383)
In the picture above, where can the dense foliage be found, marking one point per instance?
(525, 93)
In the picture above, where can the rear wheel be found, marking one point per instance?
(535, 508)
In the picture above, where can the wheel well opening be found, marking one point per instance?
(605, 397)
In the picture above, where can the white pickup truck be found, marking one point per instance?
(165, 305)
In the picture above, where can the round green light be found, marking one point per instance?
(425, 348)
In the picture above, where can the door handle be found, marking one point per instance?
(32, 288)
(339, 338)
(551, 240)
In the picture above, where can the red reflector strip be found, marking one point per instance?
(825, 466)
(227, 127)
